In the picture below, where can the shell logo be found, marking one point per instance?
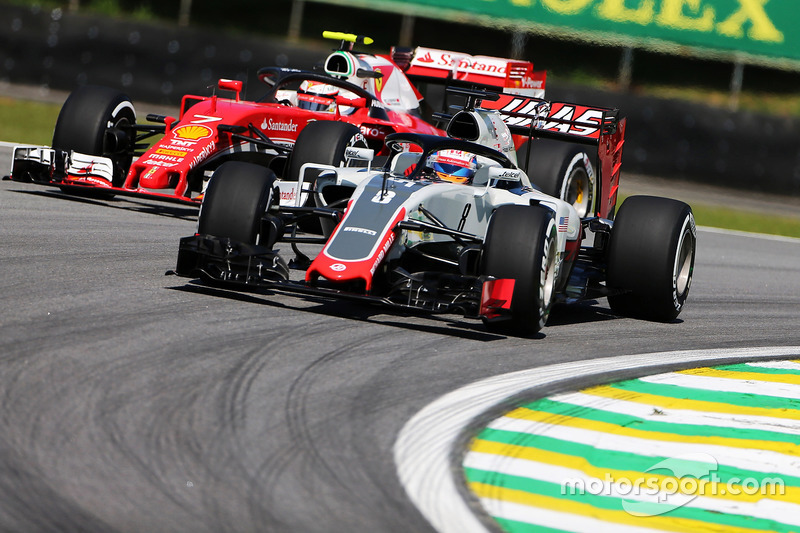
(192, 132)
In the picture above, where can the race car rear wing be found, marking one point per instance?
(597, 126)
(509, 75)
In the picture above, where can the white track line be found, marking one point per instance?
(425, 445)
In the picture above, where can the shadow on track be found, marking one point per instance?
(561, 315)
(354, 311)
(155, 208)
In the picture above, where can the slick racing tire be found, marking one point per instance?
(323, 142)
(561, 169)
(97, 121)
(521, 243)
(235, 201)
(651, 257)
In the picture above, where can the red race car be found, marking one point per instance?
(355, 101)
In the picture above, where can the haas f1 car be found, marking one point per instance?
(453, 225)
(99, 147)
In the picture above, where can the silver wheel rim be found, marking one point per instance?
(578, 192)
(684, 258)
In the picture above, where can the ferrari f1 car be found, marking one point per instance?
(98, 145)
(452, 224)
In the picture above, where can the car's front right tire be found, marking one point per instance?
(98, 121)
(651, 258)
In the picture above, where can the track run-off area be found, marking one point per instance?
(695, 449)
(133, 401)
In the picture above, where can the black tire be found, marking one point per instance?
(95, 121)
(521, 243)
(651, 254)
(237, 196)
(323, 142)
(559, 169)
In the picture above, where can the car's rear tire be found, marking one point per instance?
(521, 244)
(560, 169)
(323, 142)
(97, 121)
(651, 256)
(235, 201)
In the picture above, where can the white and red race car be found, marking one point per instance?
(452, 224)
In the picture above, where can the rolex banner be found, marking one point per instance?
(754, 30)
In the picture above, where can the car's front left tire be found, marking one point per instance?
(521, 244)
(237, 197)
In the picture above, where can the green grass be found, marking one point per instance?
(783, 105)
(720, 217)
(26, 122)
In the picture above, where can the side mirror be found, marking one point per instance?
(351, 102)
(361, 154)
(231, 85)
(364, 73)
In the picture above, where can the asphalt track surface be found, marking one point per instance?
(134, 401)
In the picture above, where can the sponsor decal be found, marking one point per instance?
(338, 267)
(425, 59)
(365, 231)
(372, 133)
(483, 66)
(509, 173)
(764, 28)
(382, 254)
(276, 125)
(178, 143)
(99, 182)
(155, 163)
(161, 157)
(175, 153)
(192, 132)
(204, 153)
(564, 118)
(288, 196)
(567, 112)
(588, 164)
(385, 72)
(534, 108)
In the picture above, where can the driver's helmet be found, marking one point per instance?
(317, 96)
(455, 166)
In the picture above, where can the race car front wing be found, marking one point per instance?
(222, 261)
